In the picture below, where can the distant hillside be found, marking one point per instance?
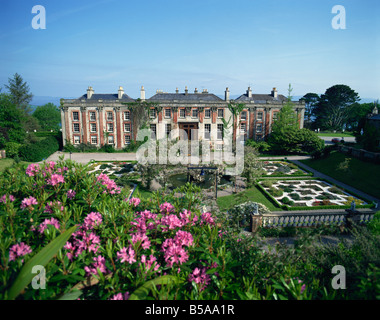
(42, 100)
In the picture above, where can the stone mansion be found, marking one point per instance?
(101, 119)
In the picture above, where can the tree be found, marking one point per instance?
(140, 114)
(253, 166)
(19, 91)
(287, 137)
(311, 100)
(333, 108)
(235, 109)
(358, 116)
(11, 119)
(48, 116)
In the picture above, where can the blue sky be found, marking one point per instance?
(210, 44)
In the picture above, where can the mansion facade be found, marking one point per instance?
(101, 119)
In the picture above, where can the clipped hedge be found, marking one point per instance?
(40, 150)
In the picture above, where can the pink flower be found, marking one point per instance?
(142, 239)
(200, 277)
(109, 183)
(173, 252)
(19, 250)
(183, 238)
(56, 178)
(171, 221)
(166, 208)
(92, 220)
(120, 296)
(134, 201)
(151, 263)
(71, 194)
(100, 263)
(44, 224)
(186, 218)
(125, 256)
(28, 202)
(5, 197)
(32, 169)
(207, 218)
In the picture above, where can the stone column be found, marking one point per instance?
(118, 131)
(65, 124)
(84, 124)
(267, 122)
(101, 124)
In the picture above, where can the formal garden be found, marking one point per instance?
(95, 242)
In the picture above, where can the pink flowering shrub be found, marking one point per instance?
(118, 245)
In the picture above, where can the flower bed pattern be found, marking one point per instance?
(282, 168)
(308, 193)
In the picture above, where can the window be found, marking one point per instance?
(76, 116)
(243, 127)
(259, 128)
(168, 113)
(259, 116)
(195, 113)
(127, 139)
(220, 113)
(110, 127)
(243, 115)
(152, 113)
(127, 127)
(109, 116)
(94, 140)
(207, 113)
(182, 113)
(110, 140)
(76, 139)
(220, 132)
(207, 131)
(93, 127)
(168, 129)
(76, 127)
(92, 116)
(153, 130)
(127, 115)
(275, 115)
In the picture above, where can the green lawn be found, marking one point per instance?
(251, 194)
(7, 162)
(364, 176)
(335, 134)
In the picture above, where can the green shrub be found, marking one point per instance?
(275, 192)
(267, 183)
(12, 149)
(39, 150)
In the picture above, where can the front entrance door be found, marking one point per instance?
(191, 130)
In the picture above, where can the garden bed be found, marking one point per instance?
(282, 169)
(309, 194)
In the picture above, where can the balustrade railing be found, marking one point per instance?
(311, 219)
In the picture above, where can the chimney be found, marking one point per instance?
(142, 93)
(249, 92)
(375, 110)
(90, 92)
(120, 93)
(227, 94)
(176, 90)
(186, 91)
(196, 90)
(204, 91)
(274, 93)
